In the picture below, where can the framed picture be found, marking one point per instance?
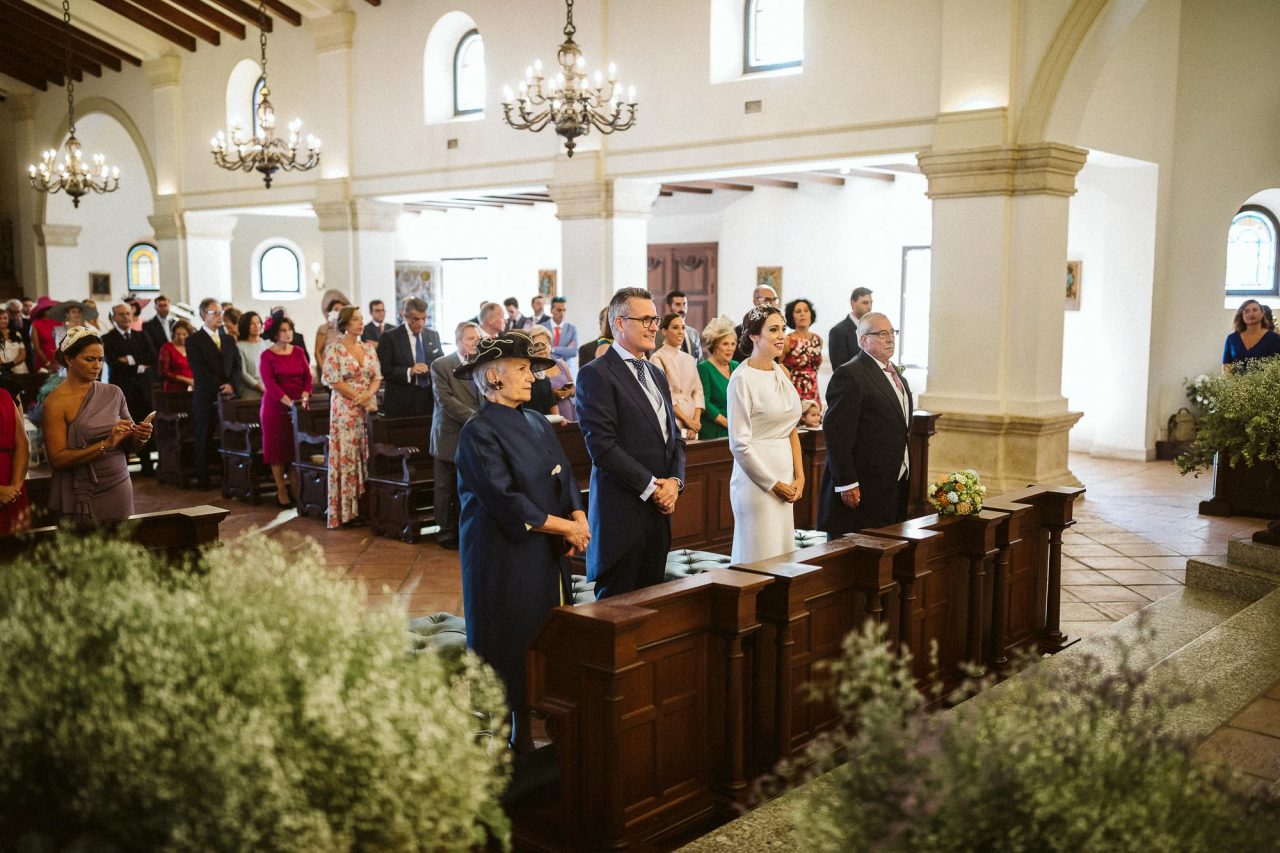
(770, 277)
(420, 279)
(547, 283)
(1073, 285)
(99, 284)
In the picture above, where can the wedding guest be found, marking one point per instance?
(231, 322)
(811, 415)
(327, 333)
(159, 329)
(539, 316)
(843, 338)
(130, 360)
(456, 401)
(98, 322)
(405, 355)
(251, 345)
(15, 455)
(215, 366)
(768, 476)
(564, 335)
(553, 389)
(719, 342)
(377, 323)
(678, 302)
(594, 349)
(286, 378)
(13, 347)
(681, 368)
(802, 353)
(351, 371)
(71, 314)
(763, 295)
(87, 433)
(41, 338)
(521, 520)
(1254, 337)
(175, 369)
(515, 320)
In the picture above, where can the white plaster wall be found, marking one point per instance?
(250, 232)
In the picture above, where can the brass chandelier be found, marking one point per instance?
(263, 152)
(570, 102)
(73, 175)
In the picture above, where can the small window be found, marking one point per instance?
(253, 104)
(773, 35)
(468, 75)
(142, 267)
(279, 271)
(1251, 253)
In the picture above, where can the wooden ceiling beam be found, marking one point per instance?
(151, 22)
(41, 62)
(286, 13)
(245, 11)
(25, 73)
(875, 176)
(52, 27)
(905, 168)
(817, 178)
(503, 200)
(665, 193)
(221, 20)
(687, 188)
(375, 2)
(771, 182)
(723, 185)
(180, 19)
(519, 199)
(53, 41)
(55, 53)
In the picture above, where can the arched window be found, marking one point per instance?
(241, 95)
(468, 75)
(1251, 252)
(278, 272)
(253, 104)
(142, 267)
(773, 35)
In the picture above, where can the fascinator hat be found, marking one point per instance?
(271, 327)
(75, 333)
(507, 345)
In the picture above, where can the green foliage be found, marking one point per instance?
(1241, 420)
(1066, 758)
(247, 702)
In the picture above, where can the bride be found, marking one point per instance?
(768, 477)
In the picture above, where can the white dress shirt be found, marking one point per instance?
(654, 396)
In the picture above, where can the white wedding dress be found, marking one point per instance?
(764, 408)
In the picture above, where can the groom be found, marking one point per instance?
(636, 448)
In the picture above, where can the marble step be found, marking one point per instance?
(1251, 555)
(1223, 575)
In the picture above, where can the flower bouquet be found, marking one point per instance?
(960, 493)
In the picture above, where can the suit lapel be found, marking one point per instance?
(880, 380)
(627, 379)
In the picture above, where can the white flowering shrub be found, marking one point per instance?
(1241, 423)
(245, 702)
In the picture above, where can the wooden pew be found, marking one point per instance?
(174, 434)
(176, 533)
(647, 697)
(29, 385)
(244, 475)
(400, 481)
(311, 456)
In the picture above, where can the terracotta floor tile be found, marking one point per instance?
(1083, 630)
(1120, 609)
(1094, 550)
(1078, 612)
(1124, 538)
(1136, 576)
(1179, 575)
(1115, 592)
(1163, 563)
(1144, 549)
(1072, 563)
(1155, 592)
(1108, 563)
(1274, 692)
(1262, 715)
(1084, 576)
(1247, 751)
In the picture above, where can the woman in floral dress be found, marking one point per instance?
(351, 371)
(802, 353)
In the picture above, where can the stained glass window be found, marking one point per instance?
(1251, 252)
(142, 267)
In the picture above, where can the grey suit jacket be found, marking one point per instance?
(456, 401)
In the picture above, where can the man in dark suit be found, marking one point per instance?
(377, 325)
(842, 343)
(636, 448)
(129, 356)
(866, 428)
(515, 320)
(405, 354)
(215, 367)
(762, 295)
(456, 401)
(159, 329)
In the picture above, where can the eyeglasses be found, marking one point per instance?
(213, 313)
(647, 322)
(884, 334)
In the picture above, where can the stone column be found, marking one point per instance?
(603, 236)
(996, 311)
(165, 75)
(31, 270)
(333, 35)
(171, 244)
(208, 244)
(56, 259)
(359, 241)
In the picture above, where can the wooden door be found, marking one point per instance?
(688, 267)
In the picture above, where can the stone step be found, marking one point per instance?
(1223, 575)
(1251, 555)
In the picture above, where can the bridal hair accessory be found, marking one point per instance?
(74, 334)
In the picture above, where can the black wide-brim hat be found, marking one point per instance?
(507, 345)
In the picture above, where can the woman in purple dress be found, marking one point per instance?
(286, 377)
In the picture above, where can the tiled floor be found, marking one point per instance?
(1250, 741)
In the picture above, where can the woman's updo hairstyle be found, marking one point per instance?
(76, 340)
(753, 322)
(344, 317)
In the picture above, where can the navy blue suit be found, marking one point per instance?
(512, 475)
(211, 368)
(630, 538)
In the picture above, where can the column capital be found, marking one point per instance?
(1043, 168)
(163, 71)
(604, 199)
(333, 32)
(57, 235)
(21, 107)
(357, 215)
(168, 226)
(213, 226)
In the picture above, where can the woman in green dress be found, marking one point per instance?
(718, 341)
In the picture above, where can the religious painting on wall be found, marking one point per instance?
(770, 277)
(420, 279)
(99, 284)
(547, 283)
(1073, 285)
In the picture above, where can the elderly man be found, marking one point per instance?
(491, 319)
(843, 340)
(129, 355)
(405, 354)
(866, 429)
(636, 448)
(762, 295)
(456, 401)
(678, 303)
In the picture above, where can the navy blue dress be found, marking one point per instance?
(1234, 350)
(512, 475)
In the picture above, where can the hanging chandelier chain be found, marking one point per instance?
(71, 96)
(569, 28)
(262, 35)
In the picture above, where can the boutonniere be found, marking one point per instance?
(555, 471)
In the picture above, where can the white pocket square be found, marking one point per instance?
(555, 471)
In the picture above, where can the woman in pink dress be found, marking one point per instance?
(15, 509)
(351, 371)
(286, 376)
(802, 352)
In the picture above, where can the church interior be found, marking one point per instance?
(1061, 206)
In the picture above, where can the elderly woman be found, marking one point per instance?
(88, 433)
(521, 518)
(552, 391)
(719, 342)
(1254, 337)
